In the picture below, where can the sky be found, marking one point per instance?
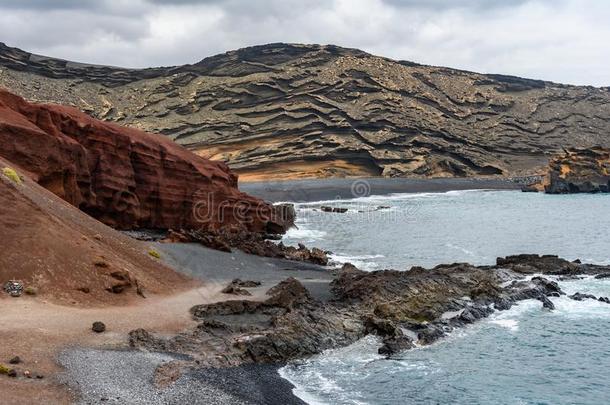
(566, 41)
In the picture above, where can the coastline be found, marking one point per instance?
(302, 191)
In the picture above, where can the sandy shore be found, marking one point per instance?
(334, 189)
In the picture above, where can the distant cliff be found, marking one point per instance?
(284, 110)
(579, 171)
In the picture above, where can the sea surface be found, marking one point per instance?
(520, 356)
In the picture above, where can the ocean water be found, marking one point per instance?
(521, 356)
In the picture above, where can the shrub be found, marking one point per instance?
(30, 291)
(12, 175)
(4, 369)
(154, 253)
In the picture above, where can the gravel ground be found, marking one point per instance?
(125, 377)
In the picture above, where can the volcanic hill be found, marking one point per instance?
(290, 111)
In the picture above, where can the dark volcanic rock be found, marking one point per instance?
(397, 306)
(580, 297)
(124, 177)
(320, 111)
(98, 327)
(250, 242)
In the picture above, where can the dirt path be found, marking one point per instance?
(37, 331)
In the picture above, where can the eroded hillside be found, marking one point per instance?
(290, 111)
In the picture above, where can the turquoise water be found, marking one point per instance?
(521, 356)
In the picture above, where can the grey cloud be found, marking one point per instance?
(560, 40)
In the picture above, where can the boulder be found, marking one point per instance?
(98, 327)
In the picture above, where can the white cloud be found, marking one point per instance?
(560, 40)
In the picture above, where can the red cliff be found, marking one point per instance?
(124, 177)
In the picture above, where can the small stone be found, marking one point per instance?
(39, 376)
(12, 373)
(27, 374)
(98, 327)
(15, 360)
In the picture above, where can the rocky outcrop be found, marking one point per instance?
(579, 171)
(403, 308)
(249, 242)
(286, 110)
(124, 177)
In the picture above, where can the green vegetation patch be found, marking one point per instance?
(12, 175)
(154, 253)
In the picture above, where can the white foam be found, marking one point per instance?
(363, 262)
(510, 324)
(304, 234)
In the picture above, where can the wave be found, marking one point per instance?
(392, 196)
(363, 262)
(307, 235)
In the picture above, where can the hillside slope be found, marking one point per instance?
(69, 257)
(290, 111)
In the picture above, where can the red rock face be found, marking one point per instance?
(124, 177)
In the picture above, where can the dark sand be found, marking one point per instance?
(125, 376)
(338, 189)
(221, 267)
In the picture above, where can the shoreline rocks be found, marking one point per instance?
(403, 308)
(249, 242)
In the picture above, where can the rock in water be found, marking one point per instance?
(581, 297)
(547, 303)
(98, 327)
(124, 177)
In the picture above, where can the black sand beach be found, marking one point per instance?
(337, 189)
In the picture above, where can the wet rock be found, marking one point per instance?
(339, 210)
(604, 299)
(503, 303)
(393, 345)
(473, 314)
(430, 334)
(580, 297)
(98, 327)
(547, 303)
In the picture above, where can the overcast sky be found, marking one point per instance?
(561, 40)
